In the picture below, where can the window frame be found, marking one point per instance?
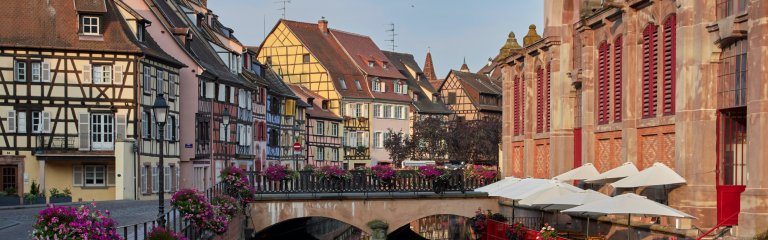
(91, 25)
(320, 128)
(94, 175)
(99, 74)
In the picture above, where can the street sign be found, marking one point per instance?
(296, 146)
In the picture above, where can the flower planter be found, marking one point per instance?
(36, 200)
(9, 200)
(60, 199)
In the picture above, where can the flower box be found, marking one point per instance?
(9, 200)
(60, 199)
(35, 200)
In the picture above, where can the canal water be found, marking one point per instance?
(438, 227)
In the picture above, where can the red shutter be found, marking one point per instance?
(547, 98)
(669, 65)
(649, 71)
(516, 98)
(617, 44)
(539, 99)
(522, 104)
(602, 84)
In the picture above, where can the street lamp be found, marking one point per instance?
(225, 121)
(160, 110)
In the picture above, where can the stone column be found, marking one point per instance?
(42, 175)
(378, 229)
(753, 218)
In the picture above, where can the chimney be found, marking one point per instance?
(322, 24)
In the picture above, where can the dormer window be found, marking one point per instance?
(357, 85)
(376, 85)
(384, 65)
(140, 32)
(371, 64)
(325, 104)
(90, 25)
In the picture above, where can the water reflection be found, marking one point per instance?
(437, 227)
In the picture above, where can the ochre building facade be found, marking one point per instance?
(677, 82)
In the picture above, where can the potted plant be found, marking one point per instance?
(84, 222)
(34, 196)
(60, 197)
(9, 197)
(160, 233)
(194, 207)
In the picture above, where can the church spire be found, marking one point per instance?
(429, 68)
(464, 67)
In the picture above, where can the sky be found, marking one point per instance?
(451, 29)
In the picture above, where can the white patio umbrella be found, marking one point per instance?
(572, 200)
(527, 187)
(493, 187)
(625, 170)
(586, 171)
(628, 204)
(555, 191)
(658, 174)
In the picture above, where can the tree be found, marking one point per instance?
(398, 145)
(475, 141)
(429, 139)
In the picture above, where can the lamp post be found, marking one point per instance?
(160, 110)
(225, 120)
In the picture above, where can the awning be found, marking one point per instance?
(656, 175)
(586, 171)
(625, 170)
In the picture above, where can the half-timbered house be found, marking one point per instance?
(423, 103)
(323, 130)
(74, 82)
(471, 96)
(222, 99)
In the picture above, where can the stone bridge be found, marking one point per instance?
(395, 209)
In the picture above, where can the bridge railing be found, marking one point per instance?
(365, 181)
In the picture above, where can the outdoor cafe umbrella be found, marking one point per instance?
(572, 200)
(493, 187)
(527, 187)
(556, 191)
(656, 175)
(625, 170)
(586, 171)
(628, 204)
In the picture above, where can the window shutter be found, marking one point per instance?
(168, 128)
(167, 179)
(46, 122)
(209, 90)
(232, 95)
(120, 124)
(153, 125)
(617, 82)
(178, 131)
(405, 89)
(16, 71)
(22, 122)
(46, 72)
(111, 175)
(178, 178)
(143, 177)
(669, 57)
(84, 131)
(222, 93)
(221, 132)
(155, 180)
(11, 121)
(118, 74)
(77, 175)
(365, 139)
(364, 110)
(516, 105)
(87, 73)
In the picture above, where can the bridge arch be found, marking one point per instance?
(358, 212)
(317, 227)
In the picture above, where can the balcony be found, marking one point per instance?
(202, 149)
(356, 124)
(244, 152)
(356, 153)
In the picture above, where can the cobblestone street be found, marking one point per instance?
(125, 212)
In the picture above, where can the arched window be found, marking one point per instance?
(650, 35)
(617, 92)
(668, 95)
(603, 83)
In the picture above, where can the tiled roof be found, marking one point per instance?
(276, 84)
(200, 49)
(53, 25)
(362, 50)
(424, 103)
(316, 110)
(429, 67)
(331, 55)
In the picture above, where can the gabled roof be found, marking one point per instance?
(474, 85)
(424, 103)
(275, 83)
(331, 55)
(362, 50)
(314, 110)
(492, 70)
(213, 67)
(42, 24)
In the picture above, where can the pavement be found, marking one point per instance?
(16, 222)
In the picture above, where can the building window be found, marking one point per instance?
(144, 180)
(305, 58)
(320, 128)
(342, 84)
(603, 84)
(516, 106)
(8, 177)
(650, 35)
(90, 25)
(155, 179)
(617, 92)
(668, 90)
(732, 81)
(377, 110)
(398, 87)
(733, 146)
(399, 112)
(102, 74)
(324, 104)
(359, 110)
(451, 98)
(319, 153)
(357, 85)
(387, 111)
(334, 154)
(21, 71)
(377, 140)
(172, 80)
(37, 122)
(95, 175)
(726, 8)
(371, 64)
(335, 129)
(539, 99)
(268, 61)
(146, 80)
(376, 85)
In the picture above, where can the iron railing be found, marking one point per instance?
(361, 181)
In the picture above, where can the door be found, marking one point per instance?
(102, 132)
